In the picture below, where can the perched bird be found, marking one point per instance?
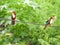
(49, 21)
(13, 17)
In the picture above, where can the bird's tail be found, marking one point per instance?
(45, 26)
(13, 22)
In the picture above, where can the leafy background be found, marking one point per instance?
(35, 12)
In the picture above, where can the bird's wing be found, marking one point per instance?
(48, 21)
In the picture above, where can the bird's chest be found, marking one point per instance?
(13, 16)
(51, 21)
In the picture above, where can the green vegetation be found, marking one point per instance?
(35, 12)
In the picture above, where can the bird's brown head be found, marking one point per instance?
(12, 12)
(53, 17)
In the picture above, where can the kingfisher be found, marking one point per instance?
(13, 17)
(49, 21)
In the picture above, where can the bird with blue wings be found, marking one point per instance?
(49, 21)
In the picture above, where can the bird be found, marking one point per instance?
(13, 17)
(49, 21)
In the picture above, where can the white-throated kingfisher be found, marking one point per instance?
(49, 21)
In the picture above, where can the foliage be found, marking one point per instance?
(35, 13)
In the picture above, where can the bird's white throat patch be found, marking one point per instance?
(13, 15)
(51, 21)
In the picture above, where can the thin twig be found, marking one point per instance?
(29, 22)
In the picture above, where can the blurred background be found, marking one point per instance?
(30, 19)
